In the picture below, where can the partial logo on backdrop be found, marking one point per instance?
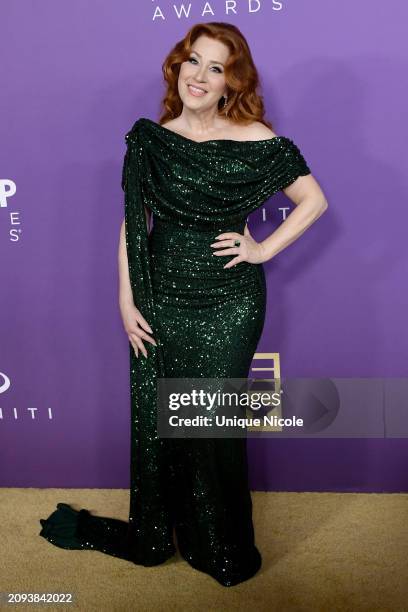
(4, 382)
(8, 189)
(12, 412)
(162, 10)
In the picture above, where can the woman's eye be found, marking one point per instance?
(193, 59)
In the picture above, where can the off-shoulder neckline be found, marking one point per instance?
(213, 140)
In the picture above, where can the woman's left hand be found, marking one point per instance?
(249, 250)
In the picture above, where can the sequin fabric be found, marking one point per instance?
(207, 322)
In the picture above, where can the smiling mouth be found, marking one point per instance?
(196, 91)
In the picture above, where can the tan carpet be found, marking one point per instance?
(321, 552)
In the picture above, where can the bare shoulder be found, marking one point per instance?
(259, 131)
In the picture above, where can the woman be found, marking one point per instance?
(192, 298)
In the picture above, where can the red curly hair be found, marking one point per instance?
(244, 104)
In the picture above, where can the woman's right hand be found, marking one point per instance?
(136, 327)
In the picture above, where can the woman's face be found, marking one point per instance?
(205, 69)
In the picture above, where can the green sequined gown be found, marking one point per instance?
(207, 322)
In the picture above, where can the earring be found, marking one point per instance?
(225, 100)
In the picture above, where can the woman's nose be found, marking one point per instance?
(200, 74)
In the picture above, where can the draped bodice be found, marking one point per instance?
(214, 183)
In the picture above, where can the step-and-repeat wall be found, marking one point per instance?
(75, 77)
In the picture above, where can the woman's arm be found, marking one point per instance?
(310, 203)
(125, 290)
(136, 326)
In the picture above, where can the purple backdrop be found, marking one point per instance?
(75, 76)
